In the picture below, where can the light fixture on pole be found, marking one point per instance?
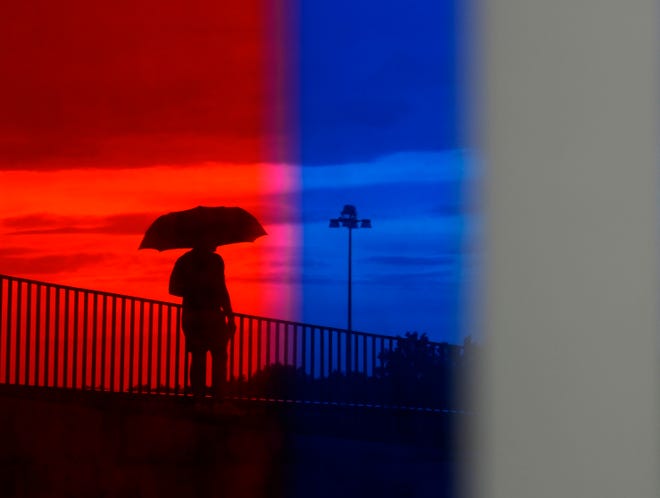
(349, 219)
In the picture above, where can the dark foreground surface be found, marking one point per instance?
(73, 444)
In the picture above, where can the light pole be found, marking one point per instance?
(349, 219)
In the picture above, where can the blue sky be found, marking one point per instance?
(380, 128)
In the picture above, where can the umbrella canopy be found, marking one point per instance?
(202, 226)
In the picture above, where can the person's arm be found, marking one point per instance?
(225, 300)
(226, 307)
(176, 287)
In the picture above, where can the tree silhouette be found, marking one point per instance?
(418, 372)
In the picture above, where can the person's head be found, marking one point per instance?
(206, 247)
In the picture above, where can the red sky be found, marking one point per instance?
(112, 113)
(125, 83)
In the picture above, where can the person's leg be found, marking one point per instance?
(197, 372)
(219, 358)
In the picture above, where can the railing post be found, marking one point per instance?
(85, 344)
(150, 346)
(177, 354)
(104, 338)
(294, 351)
(277, 342)
(95, 331)
(312, 348)
(8, 332)
(56, 343)
(141, 349)
(241, 352)
(47, 336)
(37, 326)
(260, 324)
(231, 360)
(168, 353)
(76, 298)
(122, 344)
(159, 349)
(113, 343)
(65, 347)
(268, 342)
(28, 332)
(19, 306)
(250, 348)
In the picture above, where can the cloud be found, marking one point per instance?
(276, 278)
(430, 279)
(47, 224)
(276, 209)
(405, 185)
(378, 201)
(49, 264)
(411, 261)
(15, 251)
(395, 270)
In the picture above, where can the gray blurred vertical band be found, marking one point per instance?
(568, 392)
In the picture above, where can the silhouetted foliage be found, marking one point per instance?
(277, 380)
(418, 372)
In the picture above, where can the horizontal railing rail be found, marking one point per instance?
(60, 336)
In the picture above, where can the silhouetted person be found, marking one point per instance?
(207, 318)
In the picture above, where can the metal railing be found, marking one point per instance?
(67, 337)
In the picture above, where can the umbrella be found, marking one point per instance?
(202, 226)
